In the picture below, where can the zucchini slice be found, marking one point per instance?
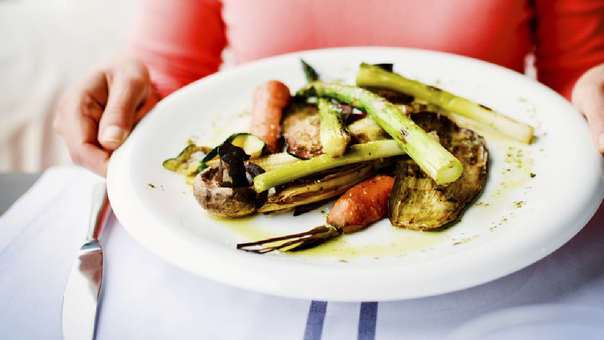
(187, 161)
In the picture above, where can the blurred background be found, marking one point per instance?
(45, 46)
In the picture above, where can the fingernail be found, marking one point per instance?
(114, 134)
(601, 141)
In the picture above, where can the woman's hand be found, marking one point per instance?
(588, 97)
(96, 116)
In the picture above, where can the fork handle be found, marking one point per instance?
(97, 212)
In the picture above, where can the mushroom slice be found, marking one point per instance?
(226, 201)
(225, 189)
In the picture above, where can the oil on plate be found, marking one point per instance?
(537, 196)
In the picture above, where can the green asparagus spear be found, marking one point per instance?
(385, 66)
(333, 136)
(482, 129)
(371, 75)
(357, 153)
(309, 72)
(433, 159)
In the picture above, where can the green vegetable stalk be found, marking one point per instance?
(357, 153)
(482, 129)
(333, 136)
(274, 160)
(309, 72)
(366, 130)
(432, 158)
(374, 76)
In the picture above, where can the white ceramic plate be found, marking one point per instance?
(536, 198)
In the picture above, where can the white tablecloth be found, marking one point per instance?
(147, 298)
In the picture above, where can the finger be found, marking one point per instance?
(126, 93)
(76, 120)
(144, 108)
(589, 100)
(84, 150)
(588, 97)
(88, 98)
(92, 157)
(595, 117)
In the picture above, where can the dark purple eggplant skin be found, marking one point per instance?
(232, 160)
(225, 189)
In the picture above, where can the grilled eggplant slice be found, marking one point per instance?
(301, 129)
(416, 202)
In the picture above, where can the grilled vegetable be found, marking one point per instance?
(437, 162)
(269, 100)
(333, 136)
(232, 160)
(252, 145)
(366, 130)
(362, 205)
(224, 189)
(385, 66)
(370, 75)
(274, 161)
(357, 153)
(301, 130)
(186, 163)
(416, 201)
(309, 72)
(461, 121)
(394, 97)
(292, 242)
(408, 105)
(319, 187)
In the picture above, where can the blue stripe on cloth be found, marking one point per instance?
(314, 322)
(367, 321)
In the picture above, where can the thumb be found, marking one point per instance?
(125, 96)
(594, 112)
(588, 97)
(596, 125)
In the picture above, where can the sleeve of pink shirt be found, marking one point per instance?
(179, 41)
(569, 41)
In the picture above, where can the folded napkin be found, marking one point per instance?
(147, 298)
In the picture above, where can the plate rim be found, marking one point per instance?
(117, 181)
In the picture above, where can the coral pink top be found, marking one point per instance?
(182, 40)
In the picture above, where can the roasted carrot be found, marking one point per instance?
(361, 205)
(269, 100)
